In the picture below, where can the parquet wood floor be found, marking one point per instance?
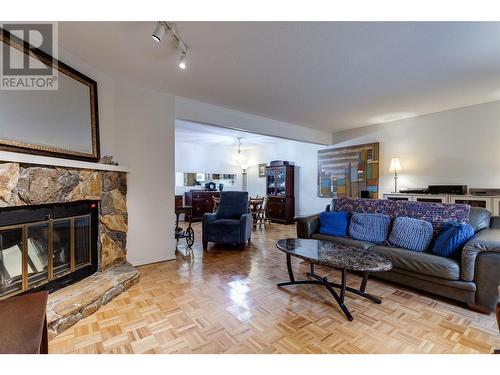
(226, 301)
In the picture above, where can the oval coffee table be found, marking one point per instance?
(335, 255)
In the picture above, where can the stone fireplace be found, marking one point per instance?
(57, 198)
(47, 246)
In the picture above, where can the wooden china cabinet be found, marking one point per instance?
(280, 193)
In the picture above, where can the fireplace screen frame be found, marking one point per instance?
(76, 271)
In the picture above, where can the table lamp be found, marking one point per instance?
(395, 167)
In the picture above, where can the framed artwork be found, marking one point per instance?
(262, 170)
(351, 172)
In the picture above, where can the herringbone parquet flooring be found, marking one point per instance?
(226, 301)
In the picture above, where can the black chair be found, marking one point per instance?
(231, 224)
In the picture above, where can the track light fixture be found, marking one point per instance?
(182, 61)
(163, 28)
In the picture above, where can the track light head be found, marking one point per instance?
(182, 61)
(159, 32)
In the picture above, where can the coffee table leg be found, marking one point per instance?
(340, 301)
(362, 288)
(320, 281)
(343, 285)
(289, 267)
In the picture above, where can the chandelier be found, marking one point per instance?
(239, 159)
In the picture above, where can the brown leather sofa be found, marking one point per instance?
(473, 279)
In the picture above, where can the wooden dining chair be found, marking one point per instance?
(263, 218)
(254, 207)
(216, 204)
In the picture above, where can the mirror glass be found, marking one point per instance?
(55, 119)
(53, 122)
(200, 179)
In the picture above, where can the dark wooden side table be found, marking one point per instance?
(23, 324)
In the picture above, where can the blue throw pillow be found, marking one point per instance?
(451, 238)
(369, 227)
(334, 223)
(411, 234)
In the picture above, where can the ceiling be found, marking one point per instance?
(192, 132)
(331, 76)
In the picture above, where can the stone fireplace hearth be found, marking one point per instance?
(30, 185)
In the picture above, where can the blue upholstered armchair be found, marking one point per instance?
(231, 224)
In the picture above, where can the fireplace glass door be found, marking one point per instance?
(82, 240)
(61, 250)
(11, 260)
(38, 253)
(34, 254)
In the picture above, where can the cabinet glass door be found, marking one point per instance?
(281, 181)
(270, 181)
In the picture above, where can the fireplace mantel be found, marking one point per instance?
(14, 157)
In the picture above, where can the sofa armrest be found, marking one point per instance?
(487, 279)
(486, 240)
(307, 225)
(495, 222)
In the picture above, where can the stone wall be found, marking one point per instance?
(26, 184)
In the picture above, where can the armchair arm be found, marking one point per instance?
(205, 219)
(307, 225)
(486, 240)
(245, 227)
(209, 216)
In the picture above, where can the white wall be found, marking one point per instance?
(304, 157)
(459, 146)
(137, 129)
(145, 143)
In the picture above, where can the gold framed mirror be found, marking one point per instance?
(61, 122)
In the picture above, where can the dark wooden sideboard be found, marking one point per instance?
(201, 201)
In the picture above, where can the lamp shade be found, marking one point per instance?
(395, 165)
